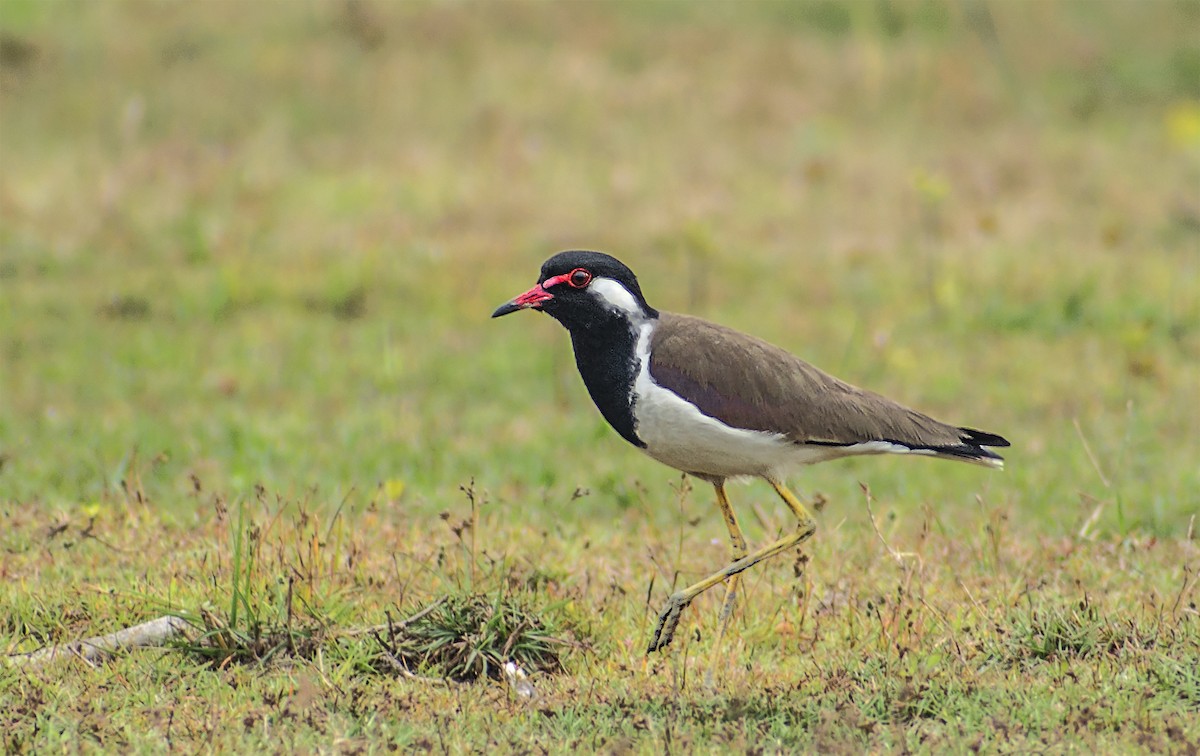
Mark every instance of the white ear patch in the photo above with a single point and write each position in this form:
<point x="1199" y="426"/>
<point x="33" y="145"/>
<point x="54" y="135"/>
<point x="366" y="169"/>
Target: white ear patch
<point x="614" y="294"/>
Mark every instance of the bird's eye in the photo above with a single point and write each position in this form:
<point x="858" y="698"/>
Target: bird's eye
<point x="579" y="278"/>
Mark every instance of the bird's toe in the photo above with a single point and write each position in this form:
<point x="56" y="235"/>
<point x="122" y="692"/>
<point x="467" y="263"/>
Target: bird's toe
<point x="668" y="620"/>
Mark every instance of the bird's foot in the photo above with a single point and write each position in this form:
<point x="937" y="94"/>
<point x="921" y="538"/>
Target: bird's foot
<point x="668" y="620"/>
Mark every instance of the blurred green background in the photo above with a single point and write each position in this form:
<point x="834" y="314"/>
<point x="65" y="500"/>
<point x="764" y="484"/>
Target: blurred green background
<point x="259" y="242"/>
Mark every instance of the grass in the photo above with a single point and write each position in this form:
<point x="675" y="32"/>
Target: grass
<point x="246" y="262"/>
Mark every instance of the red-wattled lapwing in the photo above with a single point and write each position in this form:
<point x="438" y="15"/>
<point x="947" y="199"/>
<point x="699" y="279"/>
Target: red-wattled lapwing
<point x="719" y="404"/>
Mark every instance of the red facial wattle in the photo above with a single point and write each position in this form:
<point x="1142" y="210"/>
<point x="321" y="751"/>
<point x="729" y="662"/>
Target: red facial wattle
<point x="534" y="297"/>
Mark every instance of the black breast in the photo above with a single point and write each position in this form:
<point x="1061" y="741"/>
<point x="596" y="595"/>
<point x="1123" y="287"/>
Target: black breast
<point x="607" y="361"/>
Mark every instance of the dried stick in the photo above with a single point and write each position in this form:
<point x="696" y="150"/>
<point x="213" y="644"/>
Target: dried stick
<point x="391" y="626"/>
<point x="152" y="633"/>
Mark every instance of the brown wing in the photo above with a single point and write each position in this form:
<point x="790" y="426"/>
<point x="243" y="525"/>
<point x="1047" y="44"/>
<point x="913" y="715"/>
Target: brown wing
<point x="745" y="382"/>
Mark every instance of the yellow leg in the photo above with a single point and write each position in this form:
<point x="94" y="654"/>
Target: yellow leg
<point x="793" y="503"/>
<point x="668" y="619"/>
<point x="738" y="543"/>
<point x="732" y="583"/>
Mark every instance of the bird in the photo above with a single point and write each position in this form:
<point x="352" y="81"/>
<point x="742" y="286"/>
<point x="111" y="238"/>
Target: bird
<point x="719" y="404"/>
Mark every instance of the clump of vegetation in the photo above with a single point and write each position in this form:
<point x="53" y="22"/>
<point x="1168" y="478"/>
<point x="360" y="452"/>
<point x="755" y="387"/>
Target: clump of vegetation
<point x="280" y="602"/>
<point x="471" y="636"/>
<point x="256" y="641"/>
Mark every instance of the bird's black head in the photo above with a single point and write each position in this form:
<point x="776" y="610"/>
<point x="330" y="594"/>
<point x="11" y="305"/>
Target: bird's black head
<point x="582" y="289"/>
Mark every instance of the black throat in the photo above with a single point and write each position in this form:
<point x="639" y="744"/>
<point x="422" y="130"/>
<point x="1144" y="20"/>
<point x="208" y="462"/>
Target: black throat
<point x="606" y="355"/>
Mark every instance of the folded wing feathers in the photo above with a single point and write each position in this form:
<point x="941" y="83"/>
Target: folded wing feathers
<point x="748" y="383"/>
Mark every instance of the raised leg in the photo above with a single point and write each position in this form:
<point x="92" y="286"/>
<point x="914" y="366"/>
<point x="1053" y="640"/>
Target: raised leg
<point x="668" y="619"/>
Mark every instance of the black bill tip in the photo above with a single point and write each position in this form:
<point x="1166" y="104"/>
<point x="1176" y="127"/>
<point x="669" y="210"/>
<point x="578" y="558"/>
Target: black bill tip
<point x="506" y="308"/>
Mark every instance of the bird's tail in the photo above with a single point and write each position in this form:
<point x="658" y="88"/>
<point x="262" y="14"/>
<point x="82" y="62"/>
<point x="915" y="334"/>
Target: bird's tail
<point x="972" y="448"/>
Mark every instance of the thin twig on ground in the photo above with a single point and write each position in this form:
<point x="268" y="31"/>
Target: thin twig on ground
<point x="1085" y="529"/>
<point x="899" y="556"/>
<point x="1087" y="449"/>
<point x="391" y="625"/>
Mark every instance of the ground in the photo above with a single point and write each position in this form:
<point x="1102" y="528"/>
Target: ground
<point x="248" y="252"/>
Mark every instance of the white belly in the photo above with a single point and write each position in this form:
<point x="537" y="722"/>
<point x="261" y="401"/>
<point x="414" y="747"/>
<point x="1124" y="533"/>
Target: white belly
<point x="678" y="434"/>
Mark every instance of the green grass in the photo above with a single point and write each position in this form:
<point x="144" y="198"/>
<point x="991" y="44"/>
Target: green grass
<point x="247" y="258"/>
